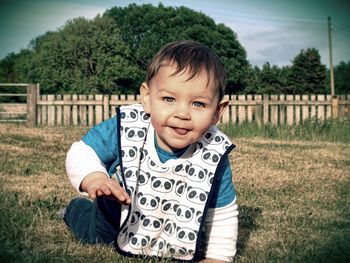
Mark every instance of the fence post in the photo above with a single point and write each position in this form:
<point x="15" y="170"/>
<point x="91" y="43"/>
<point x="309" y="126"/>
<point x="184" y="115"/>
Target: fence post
<point x="32" y="97"/>
<point x="266" y="108"/>
<point x="335" y="107"/>
<point x="106" y="107"/>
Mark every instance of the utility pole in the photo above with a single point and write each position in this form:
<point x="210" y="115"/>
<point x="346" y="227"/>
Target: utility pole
<point x="335" y="101"/>
<point x="330" y="56"/>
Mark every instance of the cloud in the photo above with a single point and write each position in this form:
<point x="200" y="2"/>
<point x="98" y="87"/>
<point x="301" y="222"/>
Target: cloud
<point x="21" y="20"/>
<point x="279" y="43"/>
<point x="268" y="31"/>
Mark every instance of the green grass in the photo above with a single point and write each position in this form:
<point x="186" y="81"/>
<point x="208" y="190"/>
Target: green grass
<point x="293" y="195"/>
<point x="330" y="130"/>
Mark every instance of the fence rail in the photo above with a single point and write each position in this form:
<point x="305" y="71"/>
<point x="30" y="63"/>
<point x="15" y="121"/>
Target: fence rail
<point x="13" y="112"/>
<point x="88" y="110"/>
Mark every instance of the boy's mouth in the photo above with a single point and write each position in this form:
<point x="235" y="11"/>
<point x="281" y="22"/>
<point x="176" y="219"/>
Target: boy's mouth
<point x="180" y="131"/>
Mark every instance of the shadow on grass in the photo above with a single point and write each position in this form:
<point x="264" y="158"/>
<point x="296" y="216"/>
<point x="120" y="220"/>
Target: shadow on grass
<point x="246" y="224"/>
<point x="19" y="218"/>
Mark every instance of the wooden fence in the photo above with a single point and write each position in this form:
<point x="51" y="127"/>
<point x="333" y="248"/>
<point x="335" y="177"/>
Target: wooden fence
<point x="15" y="112"/>
<point x="88" y="110"/>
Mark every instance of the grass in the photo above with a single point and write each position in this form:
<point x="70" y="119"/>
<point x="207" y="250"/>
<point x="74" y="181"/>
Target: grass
<point x="330" y="130"/>
<point x="294" y="196"/>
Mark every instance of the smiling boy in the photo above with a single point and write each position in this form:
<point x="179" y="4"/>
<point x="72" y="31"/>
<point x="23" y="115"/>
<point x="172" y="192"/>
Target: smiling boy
<point x="159" y="172"/>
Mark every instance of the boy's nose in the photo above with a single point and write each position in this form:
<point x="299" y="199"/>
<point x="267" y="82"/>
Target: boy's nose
<point x="182" y="112"/>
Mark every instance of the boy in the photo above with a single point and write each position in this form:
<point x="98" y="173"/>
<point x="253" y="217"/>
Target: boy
<point x="159" y="172"/>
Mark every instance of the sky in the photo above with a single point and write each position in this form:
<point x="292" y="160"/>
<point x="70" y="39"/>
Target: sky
<point x="273" y="31"/>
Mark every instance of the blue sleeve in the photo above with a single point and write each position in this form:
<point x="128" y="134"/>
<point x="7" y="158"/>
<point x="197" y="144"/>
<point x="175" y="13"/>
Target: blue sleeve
<point x="224" y="191"/>
<point x="103" y="139"/>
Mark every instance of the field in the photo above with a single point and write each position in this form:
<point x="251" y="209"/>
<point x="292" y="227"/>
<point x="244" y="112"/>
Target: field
<point x="294" y="199"/>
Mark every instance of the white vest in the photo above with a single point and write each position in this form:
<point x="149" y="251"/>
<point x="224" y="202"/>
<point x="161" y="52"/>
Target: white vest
<point x="169" y="200"/>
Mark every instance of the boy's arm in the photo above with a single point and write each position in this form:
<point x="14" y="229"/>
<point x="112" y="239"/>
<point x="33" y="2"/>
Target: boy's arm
<point x="89" y="176"/>
<point x="221" y="233"/>
<point x="97" y="148"/>
<point x="81" y="160"/>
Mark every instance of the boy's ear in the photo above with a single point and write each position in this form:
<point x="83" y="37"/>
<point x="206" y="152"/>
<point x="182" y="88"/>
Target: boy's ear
<point x="222" y="105"/>
<point x="145" y="97"/>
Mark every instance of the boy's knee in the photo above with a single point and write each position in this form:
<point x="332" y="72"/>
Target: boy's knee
<point x="76" y="207"/>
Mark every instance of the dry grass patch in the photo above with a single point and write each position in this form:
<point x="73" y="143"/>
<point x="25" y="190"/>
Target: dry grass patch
<point x="294" y="199"/>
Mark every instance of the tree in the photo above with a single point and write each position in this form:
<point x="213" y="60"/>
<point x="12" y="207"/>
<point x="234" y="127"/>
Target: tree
<point x="307" y="74"/>
<point x="83" y="57"/>
<point x="7" y="73"/>
<point x="111" y="53"/>
<point x="146" y="28"/>
<point x="268" y="80"/>
<point x="341" y="78"/>
<point x="253" y="80"/>
<point x="14" y="67"/>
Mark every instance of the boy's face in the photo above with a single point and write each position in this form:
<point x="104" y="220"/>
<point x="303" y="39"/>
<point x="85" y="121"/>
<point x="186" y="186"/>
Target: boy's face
<point x="181" y="110"/>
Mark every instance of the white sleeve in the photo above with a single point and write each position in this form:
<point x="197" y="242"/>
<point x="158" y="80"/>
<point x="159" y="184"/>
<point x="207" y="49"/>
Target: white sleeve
<point x="82" y="160"/>
<point x="221" y="232"/>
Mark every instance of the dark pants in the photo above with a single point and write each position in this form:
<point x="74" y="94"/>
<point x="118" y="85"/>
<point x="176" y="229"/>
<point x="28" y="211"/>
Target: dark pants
<point x="93" y="221"/>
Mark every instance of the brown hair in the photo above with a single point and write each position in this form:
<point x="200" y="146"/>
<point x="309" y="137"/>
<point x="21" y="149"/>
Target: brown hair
<point x="192" y="56"/>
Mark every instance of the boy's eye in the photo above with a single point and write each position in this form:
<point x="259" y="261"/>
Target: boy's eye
<point x="168" y="99"/>
<point x="198" y="104"/>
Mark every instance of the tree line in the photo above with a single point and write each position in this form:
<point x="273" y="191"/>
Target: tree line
<point x="110" y="53"/>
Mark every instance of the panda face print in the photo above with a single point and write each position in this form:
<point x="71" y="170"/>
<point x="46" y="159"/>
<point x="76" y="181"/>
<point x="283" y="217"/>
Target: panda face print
<point x="135" y="134"/>
<point x="161" y="184"/>
<point x="130" y="190"/>
<point x="198" y="217"/>
<point x="135" y="218"/>
<point x="180" y="188"/>
<point x="212" y="137"/>
<point x="129" y="153"/>
<point x="210" y="178"/>
<point x="151" y="223"/>
<point x="184" y="213"/>
<point x="196" y="195"/>
<point x="147" y="201"/>
<point x="177" y="250"/>
<point x="122" y="238"/>
<point x="129" y="115"/>
<point x="197" y="173"/>
<point x="158" y="244"/>
<point x="143" y="177"/>
<point x="138" y="241"/>
<point x="145" y="116"/>
<point x="169" y="227"/>
<point x="169" y="206"/>
<point x="186" y="235"/>
<point x="155" y="167"/>
<point x="131" y="173"/>
<point x="211" y="157"/>
<point x="144" y="154"/>
<point x="181" y="169"/>
<point x="199" y="146"/>
<point x="226" y="145"/>
<point x="124" y="231"/>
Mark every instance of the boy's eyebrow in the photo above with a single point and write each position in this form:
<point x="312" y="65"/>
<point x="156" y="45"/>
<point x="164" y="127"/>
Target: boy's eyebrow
<point x="205" y="97"/>
<point x="165" y="90"/>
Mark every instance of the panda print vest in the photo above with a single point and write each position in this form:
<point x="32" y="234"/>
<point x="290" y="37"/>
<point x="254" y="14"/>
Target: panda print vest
<point x="169" y="200"/>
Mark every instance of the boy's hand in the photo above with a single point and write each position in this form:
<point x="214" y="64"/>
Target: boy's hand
<point x="98" y="184"/>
